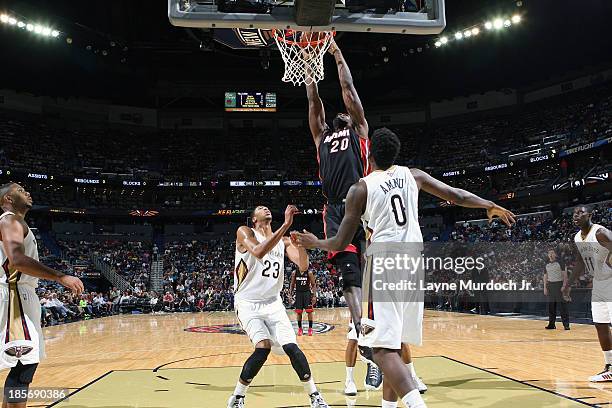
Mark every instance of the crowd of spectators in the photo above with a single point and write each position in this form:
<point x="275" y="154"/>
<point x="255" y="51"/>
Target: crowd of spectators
<point x="198" y="276"/>
<point x="29" y="145"/>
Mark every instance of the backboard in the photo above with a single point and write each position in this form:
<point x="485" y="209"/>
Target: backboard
<point x="348" y="15"/>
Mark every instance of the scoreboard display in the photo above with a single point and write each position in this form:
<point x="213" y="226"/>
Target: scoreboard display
<point x="250" y="102"/>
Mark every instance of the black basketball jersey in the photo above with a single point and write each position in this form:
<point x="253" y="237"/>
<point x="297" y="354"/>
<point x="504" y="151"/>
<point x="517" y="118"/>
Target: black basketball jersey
<point x="301" y="282"/>
<point x="343" y="160"/>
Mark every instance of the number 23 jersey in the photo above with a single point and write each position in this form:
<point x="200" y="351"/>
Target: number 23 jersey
<point x="259" y="280"/>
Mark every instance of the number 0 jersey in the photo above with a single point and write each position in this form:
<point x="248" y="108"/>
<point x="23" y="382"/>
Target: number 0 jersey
<point x="259" y="280"/>
<point x="343" y="160"/>
<point x="392" y="209"/>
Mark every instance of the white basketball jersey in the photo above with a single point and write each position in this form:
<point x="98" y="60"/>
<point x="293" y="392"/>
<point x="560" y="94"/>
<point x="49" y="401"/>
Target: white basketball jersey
<point x="259" y="280"/>
<point x="594" y="255"/>
<point x="10" y="275"/>
<point x="392" y="209"/>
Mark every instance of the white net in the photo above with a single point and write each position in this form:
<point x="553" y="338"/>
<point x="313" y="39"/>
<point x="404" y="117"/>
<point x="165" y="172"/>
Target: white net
<point x="303" y="54"/>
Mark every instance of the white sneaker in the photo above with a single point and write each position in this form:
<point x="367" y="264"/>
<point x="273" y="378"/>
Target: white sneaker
<point x="350" y="388"/>
<point x="420" y="385"/>
<point x="604" y="376"/>
<point x="235" y="401"/>
<point x="350" y="402"/>
<point x="317" y="401"/>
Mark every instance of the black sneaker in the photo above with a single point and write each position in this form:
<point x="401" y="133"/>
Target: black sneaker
<point x="374" y="377"/>
<point x="549" y="327"/>
<point x="566" y="327"/>
<point x="366" y="354"/>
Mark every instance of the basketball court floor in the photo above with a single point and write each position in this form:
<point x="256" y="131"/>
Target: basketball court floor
<point x="193" y="360"/>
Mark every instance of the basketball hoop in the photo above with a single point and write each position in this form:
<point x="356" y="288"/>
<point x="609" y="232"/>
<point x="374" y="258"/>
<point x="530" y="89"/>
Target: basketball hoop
<point x="303" y="54"/>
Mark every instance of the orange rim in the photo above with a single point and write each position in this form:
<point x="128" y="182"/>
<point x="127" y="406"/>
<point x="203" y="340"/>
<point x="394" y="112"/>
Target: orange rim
<point x="302" y="44"/>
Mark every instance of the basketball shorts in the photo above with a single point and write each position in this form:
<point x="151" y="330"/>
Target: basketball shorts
<point x="303" y="301"/>
<point x="602" y="312"/>
<point x="22" y="338"/>
<point x="347" y="262"/>
<point x="390" y="317"/>
<point x="266" y="321"/>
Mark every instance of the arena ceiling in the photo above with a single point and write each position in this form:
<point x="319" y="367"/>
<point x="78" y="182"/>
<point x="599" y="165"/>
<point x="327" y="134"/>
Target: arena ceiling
<point x="149" y="55"/>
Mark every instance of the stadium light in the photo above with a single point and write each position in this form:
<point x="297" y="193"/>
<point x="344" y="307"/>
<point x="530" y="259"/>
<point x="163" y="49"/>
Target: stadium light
<point x="467" y="33"/>
<point x="458" y="36"/>
<point x="475" y="31"/>
<point x="498" y="23"/>
<point x="507" y="23"/>
<point x="24" y="25"/>
<point x="438" y="43"/>
<point x="516" y="19"/>
<point x="443" y="40"/>
<point x="488" y="25"/>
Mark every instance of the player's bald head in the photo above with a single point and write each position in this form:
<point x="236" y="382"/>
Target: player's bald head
<point x="6" y="189"/>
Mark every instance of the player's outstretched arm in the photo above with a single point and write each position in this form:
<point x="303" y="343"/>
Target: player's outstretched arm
<point x="296" y="254"/>
<point x="461" y="197"/>
<point x="349" y="93"/>
<point x="245" y="237"/>
<point x="316" y="113"/>
<point x="12" y="242"/>
<point x="354" y="207"/>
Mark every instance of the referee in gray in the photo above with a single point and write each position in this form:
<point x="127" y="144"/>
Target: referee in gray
<point x="555" y="280"/>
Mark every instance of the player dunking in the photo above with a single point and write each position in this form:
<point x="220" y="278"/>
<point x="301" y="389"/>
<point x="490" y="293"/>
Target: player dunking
<point x="23" y="345"/>
<point x="305" y="287"/>
<point x="342" y="153"/>
<point x="258" y="282"/>
<point x="592" y="253"/>
<point x="387" y="202"/>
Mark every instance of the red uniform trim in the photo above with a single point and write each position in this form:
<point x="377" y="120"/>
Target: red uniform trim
<point x="364" y="146"/>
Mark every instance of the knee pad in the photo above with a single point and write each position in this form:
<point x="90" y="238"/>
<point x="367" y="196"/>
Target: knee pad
<point x="309" y="310"/>
<point x="298" y="361"/>
<point x="254" y="364"/>
<point x="18" y="381"/>
<point x="298" y="311"/>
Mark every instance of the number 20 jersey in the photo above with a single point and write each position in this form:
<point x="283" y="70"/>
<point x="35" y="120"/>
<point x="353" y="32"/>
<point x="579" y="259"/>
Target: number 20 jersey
<point x="259" y="280"/>
<point x="392" y="209"/>
<point x="343" y="160"/>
